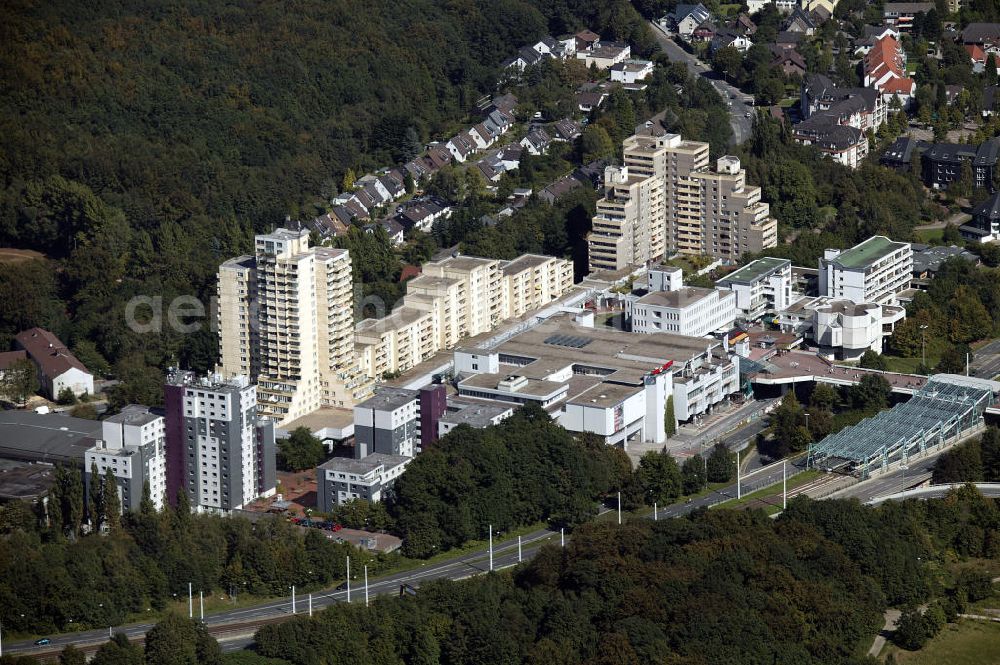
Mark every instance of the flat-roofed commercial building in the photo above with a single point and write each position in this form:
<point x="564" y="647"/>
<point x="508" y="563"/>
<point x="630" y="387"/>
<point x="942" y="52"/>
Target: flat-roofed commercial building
<point x="763" y="286"/>
<point x="612" y="383"/>
<point x="472" y="413"/>
<point x="343" y="479"/>
<point x="51" y="438"/>
<point x="692" y="311"/>
<point x="841" y="329"/>
<point x="875" y="270"/>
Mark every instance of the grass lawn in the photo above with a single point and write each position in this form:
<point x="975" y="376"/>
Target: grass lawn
<point x="930" y="236"/>
<point x="969" y="642"/>
<point x="908" y="365"/>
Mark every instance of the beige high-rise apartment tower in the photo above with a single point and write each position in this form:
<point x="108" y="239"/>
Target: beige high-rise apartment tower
<point x="700" y="210"/>
<point x="237" y="317"/>
<point x="286" y="319"/>
<point x="628" y="227"/>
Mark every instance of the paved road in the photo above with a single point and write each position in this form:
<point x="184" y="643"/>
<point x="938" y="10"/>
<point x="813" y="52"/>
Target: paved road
<point x="918" y="471"/>
<point x="891" y="619"/>
<point x="234" y="628"/>
<point x="740" y="113"/>
<point x="986" y="361"/>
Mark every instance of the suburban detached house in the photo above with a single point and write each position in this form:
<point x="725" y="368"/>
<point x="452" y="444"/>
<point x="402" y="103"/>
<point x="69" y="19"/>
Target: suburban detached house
<point x="789" y="60"/>
<point x="872" y="34"/>
<point x="566" y="129"/>
<point x="329" y="225"/>
<point x="783" y="6"/>
<point x="985" y="223"/>
<point x="392" y="228"/>
<point x="801" y="22"/>
<point x="631" y="71"/>
<point x="422" y="213"/>
<point x="744" y="25"/>
<point x="726" y="37"/>
<point x="900" y="15"/>
<point x="537" y="141"/>
<point x="984" y="34"/>
<point x="685" y="19"/>
<point x="704" y="32"/>
<point x="587" y="101"/>
<point x="559" y="189"/>
<point x="604" y="55"/>
<point x="57" y="367"/>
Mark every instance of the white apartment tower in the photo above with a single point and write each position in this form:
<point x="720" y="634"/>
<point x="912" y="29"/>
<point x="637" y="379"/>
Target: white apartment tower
<point x="132" y="445"/>
<point x="237" y="317"/>
<point x="873" y="271"/>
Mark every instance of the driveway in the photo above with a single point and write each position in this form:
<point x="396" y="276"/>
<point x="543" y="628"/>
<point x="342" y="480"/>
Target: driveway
<point x="738" y="109"/>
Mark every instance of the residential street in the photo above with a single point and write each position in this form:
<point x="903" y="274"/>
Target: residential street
<point x="739" y="110"/>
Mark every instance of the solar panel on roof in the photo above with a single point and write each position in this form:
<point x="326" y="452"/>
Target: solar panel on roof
<point x="567" y="340"/>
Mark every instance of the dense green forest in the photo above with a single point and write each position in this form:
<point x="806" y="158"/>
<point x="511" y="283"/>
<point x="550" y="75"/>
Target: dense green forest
<point x="716" y="587"/>
<point x="525" y="470"/>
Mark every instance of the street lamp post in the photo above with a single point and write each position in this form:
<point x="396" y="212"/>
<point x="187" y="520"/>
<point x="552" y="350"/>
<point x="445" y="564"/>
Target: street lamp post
<point x="923" y="345"/>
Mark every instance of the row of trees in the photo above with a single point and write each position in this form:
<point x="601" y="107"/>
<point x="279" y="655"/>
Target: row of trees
<point x="175" y="640"/>
<point x="660" y="480"/>
<point x="718" y="586"/>
<point x="974" y="461"/>
<point x="54" y="579"/>
<point x="793" y="426"/>
<point x="960" y="306"/>
<point x="525" y="470"/>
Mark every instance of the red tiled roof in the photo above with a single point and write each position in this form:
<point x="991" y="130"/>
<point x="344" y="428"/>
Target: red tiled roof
<point x="885" y="54"/>
<point x="976" y="53"/>
<point x="409" y="272"/>
<point x="48" y="352"/>
<point x="902" y="86"/>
